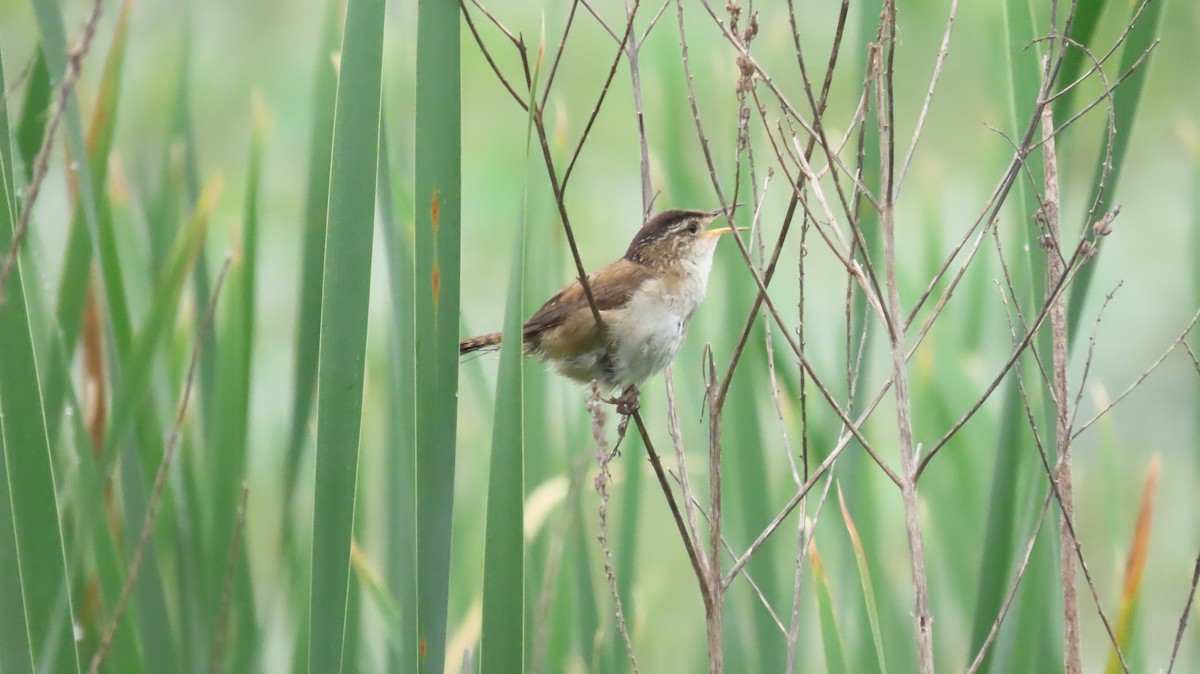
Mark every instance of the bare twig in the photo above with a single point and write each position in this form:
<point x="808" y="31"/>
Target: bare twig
<point x="656" y="463"/>
<point x="1072" y="653"/>
<point x="1141" y="378"/>
<point x="1056" y="290"/>
<point x="487" y="54"/>
<point x="41" y="161"/>
<point x="562" y="45"/>
<point x="1183" y="617"/>
<point x="1012" y="589"/>
<point x="1087" y="364"/>
<point x="937" y="73"/>
<point x="758" y="279"/>
<point x="603" y="476"/>
<point x="227" y="587"/>
<point x="612" y="71"/>
<point x="1072" y="539"/>
<point x="160" y="478"/>
<point x="685" y="485"/>
<point x="714" y="610"/>
<point x="908" y="465"/>
<point x="632" y="48"/>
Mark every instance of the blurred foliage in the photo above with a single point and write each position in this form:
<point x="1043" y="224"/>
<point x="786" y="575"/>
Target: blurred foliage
<point x="136" y="222"/>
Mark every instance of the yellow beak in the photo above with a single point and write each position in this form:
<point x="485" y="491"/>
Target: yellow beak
<point x="722" y="230"/>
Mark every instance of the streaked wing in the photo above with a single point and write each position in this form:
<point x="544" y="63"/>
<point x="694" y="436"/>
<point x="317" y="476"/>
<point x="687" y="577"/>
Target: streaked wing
<point x="611" y="286"/>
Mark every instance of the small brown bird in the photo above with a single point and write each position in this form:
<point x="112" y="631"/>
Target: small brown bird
<point x="646" y="300"/>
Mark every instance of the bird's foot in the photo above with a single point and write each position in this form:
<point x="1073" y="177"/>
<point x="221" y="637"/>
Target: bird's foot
<point x="628" y="402"/>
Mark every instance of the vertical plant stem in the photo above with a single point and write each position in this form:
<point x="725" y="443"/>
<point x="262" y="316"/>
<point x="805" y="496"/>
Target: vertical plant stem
<point x="1072" y="658"/>
<point x="908" y="465"/>
<point x="632" y="47"/>
<point x="713" y="617"/>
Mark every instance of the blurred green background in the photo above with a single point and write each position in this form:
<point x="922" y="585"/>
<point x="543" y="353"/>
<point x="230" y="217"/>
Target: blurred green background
<point x="223" y="54"/>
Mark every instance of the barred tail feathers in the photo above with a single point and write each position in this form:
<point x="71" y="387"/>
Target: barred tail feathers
<point x="477" y="343"/>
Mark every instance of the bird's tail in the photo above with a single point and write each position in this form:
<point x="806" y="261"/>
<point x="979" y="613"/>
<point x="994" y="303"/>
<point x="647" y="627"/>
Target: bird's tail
<point x="476" y="343"/>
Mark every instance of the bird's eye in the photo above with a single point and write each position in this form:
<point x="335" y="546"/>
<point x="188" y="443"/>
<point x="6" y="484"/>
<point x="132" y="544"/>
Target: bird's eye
<point x="692" y="228"/>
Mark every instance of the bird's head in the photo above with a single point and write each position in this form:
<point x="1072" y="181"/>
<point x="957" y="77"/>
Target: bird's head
<point x="676" y="237"/>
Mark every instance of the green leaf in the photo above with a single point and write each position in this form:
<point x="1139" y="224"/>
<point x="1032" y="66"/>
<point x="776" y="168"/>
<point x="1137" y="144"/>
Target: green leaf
<point x="1126" y="100"/>
<point x="227" y="465"/>
<point x="345" y="300"/>
<point x="1083" y="27"/>
<point x="308" y="328"/>
<point x="48" y="614"/>
<point x="438" y="214"/>
<point x="831" y="634"/>
<point x="502" y="647"/>
<point x="402" y="396"/>
<point x="31" y="128"/>
<point x="132" y="386"/>
<point x="864" y="576"/>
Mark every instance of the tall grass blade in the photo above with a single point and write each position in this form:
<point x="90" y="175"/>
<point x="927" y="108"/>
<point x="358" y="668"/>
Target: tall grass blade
<point x="15" y="654"/>
<point x="401" y="460"/>
<point x="831" y="634"/>
<point x="864" y="575"/>
<point x="1083" y="27"/>
<point x="1126" y="100"/>
<point x="437" y="197"/>
<point x="502" y="638"/>
<point x="320" y="143"/>
<point x="128" y="392"/>
<point x="54" y="48"/>
<point x="345" y="299"/>
<point x="45" y="586"/>
<point x="231" y="416"/>
<point x="1135" y="567"/>
<point x="32" y="124"/>
<point x="1011" y="468"/>
<point x="76" y="263"/>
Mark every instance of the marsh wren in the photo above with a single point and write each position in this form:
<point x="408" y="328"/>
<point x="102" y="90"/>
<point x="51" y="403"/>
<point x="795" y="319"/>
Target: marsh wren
<point x="646" y="300"/>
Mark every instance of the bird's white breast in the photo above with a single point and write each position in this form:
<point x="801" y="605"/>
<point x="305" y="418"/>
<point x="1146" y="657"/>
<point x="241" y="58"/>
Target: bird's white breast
<point x="652" y="326"/>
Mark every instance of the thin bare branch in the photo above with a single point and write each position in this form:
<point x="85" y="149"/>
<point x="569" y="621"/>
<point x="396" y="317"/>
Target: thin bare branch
<point x="603" y="476"/>
<point x="754" y="273"/>
<point x="160" y="477"/>
<point x="219" y="631"/>
<point x="1141" y="378"/>
<point x="692" y="546"/>
<point x="612" y="71"/>
<point x="685" y="484"/>
<point x="562" y="46"/>
<point x="715" y="609"/>
<point x="1072" y="652"/>
<point x="41" y="161"/>
<point x="1087" y="365"/>
<point x="487" y="54"/>
<point x="1183" y="617"/>
<point x="1012" y="590"/>
<point x="937" y="73"/>
<point x="908" y="465"/>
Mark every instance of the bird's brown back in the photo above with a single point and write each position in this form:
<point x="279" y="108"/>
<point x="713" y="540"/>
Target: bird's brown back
<point x="565" y="324"/>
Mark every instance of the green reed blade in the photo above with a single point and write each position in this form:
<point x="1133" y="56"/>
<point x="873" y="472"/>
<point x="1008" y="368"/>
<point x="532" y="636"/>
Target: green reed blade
<point x="1126" y="100"/>
<point x="345" y="299"/>
<point x="308" y="328"/>
<point x="40" y="557"/>
<point x="401" y="433"/>
<point x="438" y="214"/>
<point x="502" y="638"/>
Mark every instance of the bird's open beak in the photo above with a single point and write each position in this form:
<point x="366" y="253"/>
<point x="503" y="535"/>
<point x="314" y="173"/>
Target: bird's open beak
<point x="722" y="230"/>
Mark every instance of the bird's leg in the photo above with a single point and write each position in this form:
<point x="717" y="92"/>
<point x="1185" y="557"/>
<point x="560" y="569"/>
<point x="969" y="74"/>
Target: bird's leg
<point x="627" y="403"/>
